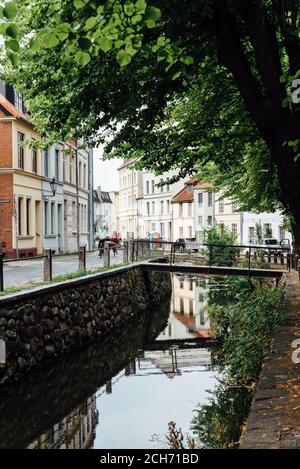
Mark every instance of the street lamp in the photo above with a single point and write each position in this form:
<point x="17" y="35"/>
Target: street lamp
<point x="53" y="186"/>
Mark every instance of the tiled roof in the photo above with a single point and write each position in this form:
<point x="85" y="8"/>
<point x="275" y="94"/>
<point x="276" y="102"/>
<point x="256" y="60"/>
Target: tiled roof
<point x="204" y="185"/>
<point x="185" y="195"/>
<point x="11" y="109"/>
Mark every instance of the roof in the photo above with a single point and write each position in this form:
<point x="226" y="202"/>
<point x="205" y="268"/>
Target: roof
<point x="102" y="196"/>
<point x="185" y="195"/>
<point x="127" y="163"/>
<point x="11" y="109"/>
<point x="204" y="185"/>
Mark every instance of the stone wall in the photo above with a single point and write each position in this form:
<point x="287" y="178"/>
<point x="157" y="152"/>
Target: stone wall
<point x="44" y="324"/>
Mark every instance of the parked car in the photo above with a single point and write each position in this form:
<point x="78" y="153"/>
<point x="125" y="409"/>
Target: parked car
<point x="187" y="244"/>
<point x="273" y="246"/>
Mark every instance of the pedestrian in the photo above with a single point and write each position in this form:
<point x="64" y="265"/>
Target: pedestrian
<point x="101" y="247"/>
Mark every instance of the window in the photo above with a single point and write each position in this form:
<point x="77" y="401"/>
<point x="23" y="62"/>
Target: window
<point x="268" y="230"/>
<point x="180" y="209"/>
<point x="80" y="174"/>
<point x="235" y="207"/>
<point x="181" y="232"/>
<point x="19" y="101"/>
<point x="46" y="162"/>
<point x="161" y="187"/>
<point x="209" y="220"/>
<point x="57" y="164"/>
<point x="46" y="217"/>
<point x="162" y="230"/>
<point x="191" y="308"/>
<point x="200" y="220"/>
<point x="28" y="203"/>
<point x="170" y="230"/>
<point x="210" y="197"/>
<point x="251" y="233"/>
<point x="20" y="204"/>
<point x="21" y="138"/>
<point x="161" y="207"/>
<point x="74" y="216"/>
<point x="221" y="206"/>
<point x="52" y="217"/>
<point x="168" y="206"/>
<point x="181" y="284"/>
<point x="191" y="285"/>
<point x="34" y="160"/>
<point x="234" y="229"/>
<point x="84" y="175"/>
<point x="190" y="228"/>
<point x="148" y="208"/>
<point x="281" y="233"/>
<point x="153" y="187"/>
<point x="153" y="208"/>
<point x="153" y="227"/>
<point x="200" y="199"/>
<point x="148" y="187"/>
<point x="181" y="306"/>
<point x="189" y="210"/>
<point x="168" y="187"/>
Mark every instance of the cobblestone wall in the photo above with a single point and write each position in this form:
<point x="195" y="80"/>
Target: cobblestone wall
<point x="45" y="324"/>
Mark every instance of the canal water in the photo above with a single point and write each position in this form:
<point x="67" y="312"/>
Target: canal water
<point x="123" y="392"/>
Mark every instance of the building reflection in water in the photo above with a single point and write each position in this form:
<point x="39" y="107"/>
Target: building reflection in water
<point x="176" y="357"/>
<point x="76" y="431"/>
<point x="189" y="318"/>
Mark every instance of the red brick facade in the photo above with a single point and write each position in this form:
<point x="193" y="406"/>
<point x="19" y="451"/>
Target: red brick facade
<point x="6" y="188"/>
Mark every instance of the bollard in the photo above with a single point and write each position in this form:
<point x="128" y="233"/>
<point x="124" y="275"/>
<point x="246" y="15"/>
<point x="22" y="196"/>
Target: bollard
<point x="125" y="252"/>
<point x="82" y="258"/>
<point x="130" y="251"/>
<point x="269" y="258"/>
<point x="1" y="271"/>
<point x="275" y="258"/>
<point x="288" y="261"/>
<point x="281" y="256"/>
<point x="106" y="254"/>
<point x="48" y="265"/>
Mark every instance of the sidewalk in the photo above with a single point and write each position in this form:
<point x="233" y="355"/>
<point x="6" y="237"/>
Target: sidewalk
<point x="274" y="421"/>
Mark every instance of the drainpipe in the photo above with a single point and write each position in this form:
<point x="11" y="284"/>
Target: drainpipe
<point x="77" y="196"/>
<point x="91" y="200"/>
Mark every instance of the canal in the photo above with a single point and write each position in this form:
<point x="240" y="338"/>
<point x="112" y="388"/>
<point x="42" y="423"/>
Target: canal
<point x="124" y="391"/>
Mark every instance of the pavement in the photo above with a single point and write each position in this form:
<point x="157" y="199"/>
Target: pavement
<point x="274" y="421"/>
<point x="18" y="273"/>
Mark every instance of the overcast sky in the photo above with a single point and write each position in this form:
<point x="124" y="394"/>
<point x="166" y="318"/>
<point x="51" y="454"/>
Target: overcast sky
<point x="105" y="172"/>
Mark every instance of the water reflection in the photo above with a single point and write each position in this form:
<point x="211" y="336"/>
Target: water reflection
<point x="123" y="392"/>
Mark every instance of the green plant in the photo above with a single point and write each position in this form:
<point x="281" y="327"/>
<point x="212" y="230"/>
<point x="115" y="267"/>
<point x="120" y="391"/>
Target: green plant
<point x="222" y="251"/>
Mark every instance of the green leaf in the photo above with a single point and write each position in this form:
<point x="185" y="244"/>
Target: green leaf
<point x="10" y="10"/>
<point x="14" y="58"/>
<point x="82" y="58"/>
<point x="123" y="58"/>
<point x="153" y="13"/>
<point x="49" y="40"/>
<point x="84" y="43"/>
<point x="104" y="44"/>
<point x="130" y="50"/>
<point x="136" y="19"/>
<point x="150" y="24"/>
<point x="12" y="30"/>
<point x="141" y="5"/>
<point x="176" y="75"/>
<point x="13" y="45"/>
<point x="187" y="60"/>
<point x="129" y="9"/>
<point x="91" y="23"/>
<point x="78" y="4"/>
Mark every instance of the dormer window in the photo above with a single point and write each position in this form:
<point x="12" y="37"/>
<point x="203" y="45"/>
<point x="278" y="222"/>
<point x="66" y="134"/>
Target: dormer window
<point x="19" y="101"/>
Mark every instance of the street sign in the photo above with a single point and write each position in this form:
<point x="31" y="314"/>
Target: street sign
<point x="4" y="201"/>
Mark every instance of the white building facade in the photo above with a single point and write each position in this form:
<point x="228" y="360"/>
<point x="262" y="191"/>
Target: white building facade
<point x="157" y="206"/>
<point x="130" y="191"/>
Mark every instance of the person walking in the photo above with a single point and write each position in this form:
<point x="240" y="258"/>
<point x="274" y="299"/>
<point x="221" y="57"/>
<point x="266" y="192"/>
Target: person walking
<point x="101" y="247"/>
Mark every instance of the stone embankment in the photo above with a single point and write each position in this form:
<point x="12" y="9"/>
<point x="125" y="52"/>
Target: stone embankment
<point x="274" y="421"/>
<point x="44" y="324"/>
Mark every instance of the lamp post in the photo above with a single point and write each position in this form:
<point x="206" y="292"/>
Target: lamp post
<point x="53" y="186"/>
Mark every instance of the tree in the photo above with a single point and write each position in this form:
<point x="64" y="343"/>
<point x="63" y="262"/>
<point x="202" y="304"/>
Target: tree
<point x="86" y="64"/>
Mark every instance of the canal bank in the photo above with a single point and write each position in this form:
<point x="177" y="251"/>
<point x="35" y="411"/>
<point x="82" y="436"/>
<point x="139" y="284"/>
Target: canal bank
<point x="274" y="420"/>
<point x="42" y="325"/>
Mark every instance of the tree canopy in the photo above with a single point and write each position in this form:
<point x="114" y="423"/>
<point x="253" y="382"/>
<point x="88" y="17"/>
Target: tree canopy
<point x="196" y="84"/>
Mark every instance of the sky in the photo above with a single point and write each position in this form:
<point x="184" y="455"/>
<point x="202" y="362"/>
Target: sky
<point x="105" y="172"/>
